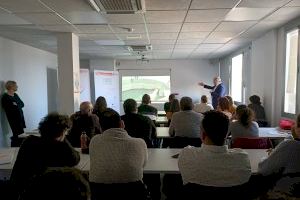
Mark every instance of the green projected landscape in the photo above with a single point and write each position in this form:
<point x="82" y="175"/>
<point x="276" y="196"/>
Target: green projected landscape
<point x="158" y="87"/>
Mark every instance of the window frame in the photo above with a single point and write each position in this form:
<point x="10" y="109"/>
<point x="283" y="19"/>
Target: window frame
<point x="230" y="77"/>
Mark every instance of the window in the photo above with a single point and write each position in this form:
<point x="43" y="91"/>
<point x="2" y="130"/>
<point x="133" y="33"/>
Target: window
<point x="236" y="83"/>
<point x="291" y="69"/>
<point x="158" y="87"/>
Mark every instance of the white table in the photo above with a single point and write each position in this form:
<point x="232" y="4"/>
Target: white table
<point x="162" y="132"/>
<point x="161" y="113"/>
<point x="161" y="120"/>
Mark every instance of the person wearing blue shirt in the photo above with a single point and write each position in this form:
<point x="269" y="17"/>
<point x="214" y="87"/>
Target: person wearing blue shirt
<point x="217" y="91"/>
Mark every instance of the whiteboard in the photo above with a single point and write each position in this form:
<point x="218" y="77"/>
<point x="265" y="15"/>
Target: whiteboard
<point x="85" y="88"/>
<point x="107" y="85"/>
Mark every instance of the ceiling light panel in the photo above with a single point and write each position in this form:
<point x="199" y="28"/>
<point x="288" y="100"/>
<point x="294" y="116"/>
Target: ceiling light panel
<point x="215" y="15"/>
<point x="167" y="4"/>
<point x="212" y="4"/>
<point x="165" y="16"/>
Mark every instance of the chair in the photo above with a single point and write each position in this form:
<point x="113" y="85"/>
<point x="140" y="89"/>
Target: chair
<point x="252" y="143"/>
<point x="181" y="142"/>
<point x="116" y="191"/>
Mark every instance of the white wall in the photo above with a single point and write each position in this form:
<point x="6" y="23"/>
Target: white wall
<point x="28" y="67"/>
<point x="185" y="74"/>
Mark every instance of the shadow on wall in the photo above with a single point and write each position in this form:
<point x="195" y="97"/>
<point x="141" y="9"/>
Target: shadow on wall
<point x="5" y="131"/>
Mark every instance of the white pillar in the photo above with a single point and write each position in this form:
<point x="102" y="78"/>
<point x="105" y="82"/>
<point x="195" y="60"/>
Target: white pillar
<point x="68" y="73"/>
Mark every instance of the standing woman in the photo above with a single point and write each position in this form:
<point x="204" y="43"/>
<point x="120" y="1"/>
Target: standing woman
<point x="12" y="105"/>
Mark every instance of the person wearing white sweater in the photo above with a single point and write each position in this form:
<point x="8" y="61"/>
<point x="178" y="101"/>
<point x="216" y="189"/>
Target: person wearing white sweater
<point x="115" y="157"/>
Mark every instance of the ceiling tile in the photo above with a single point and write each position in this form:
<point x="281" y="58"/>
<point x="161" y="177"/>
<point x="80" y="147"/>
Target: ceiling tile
<point x="64" y="6"/>
<point x="236" y="27"/>
<point x="136" y="42"/>
<point x="210" y="46"/>
<point x="84" y="17"/>
<point x="8" y="19"/>
<point x="209" y="4"/>
<point x="245" y="14"/>
<point x="126" y="28"/>
<point x="285" y="14"/>
<point x="167" y="4"/>
<point x="23" y="6"/>
<point x="152" y="28"/>
<point x="190" y="41"/>
<point x="220" y="37"/>
<point x="186" y="46"/>
<point x="163" y="35"/>
<point x="157" y="41"/>
<point x="206" y="15"/>
<point x="183" y="51"/>
<point x="259" y="29"/>
<point x="165" y="16"/>
<point x="42" y="18"/>
<point x="93" y="28"/>
<point x="262" y="3"/>
<point x="124" y="19"/>
<point x="192" y="35"/>
<point x="294" y="3"/>
<point x="193" y="27"/>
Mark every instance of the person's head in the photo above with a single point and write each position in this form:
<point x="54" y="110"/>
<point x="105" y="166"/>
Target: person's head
<point x="203" y="99"/>
<point x="223" y="104"/>
<point x="111" y="119"/>
<point x="230" y="100"/>
<point x="146" y="99"/>
<point x="254" y="99"/>
<point x="245" y="116"/>
<point x="11" y="86"/>
<point x="186" y="103"/>
<point x="100" y="104"/>
<point x="171" y="97"/>
<point x="86" y="107"/>
<point x="214" y="128"/>
<point x="53" y="126"/>
<point x="217" y="80"/>
<point x="174" y="107"/>
<point x="59" y="184"/>
<point x="130" y="106"/>
<point x="298" y="121"/>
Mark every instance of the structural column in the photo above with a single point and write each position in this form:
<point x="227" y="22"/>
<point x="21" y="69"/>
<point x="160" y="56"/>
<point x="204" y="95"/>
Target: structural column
<point x="68" y="73"/>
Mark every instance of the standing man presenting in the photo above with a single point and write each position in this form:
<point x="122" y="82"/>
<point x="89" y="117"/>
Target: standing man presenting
<point x="218" y="90"/>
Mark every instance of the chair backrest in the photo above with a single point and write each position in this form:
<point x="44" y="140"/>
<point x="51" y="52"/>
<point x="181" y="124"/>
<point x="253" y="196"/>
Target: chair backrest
<point x="181" y="142"/>
<point x="251" y="143"/>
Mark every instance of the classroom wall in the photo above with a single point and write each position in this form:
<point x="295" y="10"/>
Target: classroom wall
<point x="185" y="74"/>
<point x="28" y="67"/>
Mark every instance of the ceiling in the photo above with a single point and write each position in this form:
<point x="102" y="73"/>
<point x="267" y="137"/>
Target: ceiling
<point x="176" y="29"/>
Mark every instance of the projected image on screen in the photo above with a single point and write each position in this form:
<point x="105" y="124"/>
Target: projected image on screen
<point x="134" y="87"/>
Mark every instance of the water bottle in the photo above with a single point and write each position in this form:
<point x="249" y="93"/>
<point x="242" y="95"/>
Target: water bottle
<point x="83" y="142"/>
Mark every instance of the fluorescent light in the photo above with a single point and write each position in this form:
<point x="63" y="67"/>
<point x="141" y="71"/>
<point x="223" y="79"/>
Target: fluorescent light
<point x="94" y="5"/>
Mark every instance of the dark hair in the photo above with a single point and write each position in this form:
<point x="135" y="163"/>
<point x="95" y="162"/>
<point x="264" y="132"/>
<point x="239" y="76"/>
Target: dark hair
<point x="223" y="103"/>
<point x="110" y="119"/>
<point x="59" y="184"/>
<point x="298" y="121"/>
<point x="204" y="99"/>
<point x="100" y="104"/>
<point x="10" y="84"/>
<point x="129" y="106"/>
<point x="186" y="103"/>
<point x="245" y="116"/>
<point x="146" y="99"/>
<point x="255" y="99"/>
<point x="215" y="125"/>
<point x="174" y="107"/>
<point x="171" y="97"/>
<point x="53" y="125"/>
<point x="242" y="106"/>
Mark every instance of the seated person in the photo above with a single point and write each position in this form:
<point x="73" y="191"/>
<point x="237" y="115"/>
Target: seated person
<point x="137" y="125"/>
<point x="116" y="157"/>
<point x="296" y="129"/>
<point x="203" y="106"/>
<point x="232" y="107"/>
<point x="213" y="164"/>
<point x="167" y="105"/>
<point x="174" y="107"/>
<point x="59" y="184"/>
<point x="83" y="121"/>
<point x="224" y="106"/>
<point x="186" y="123"/>
<point x="99" y="107"/>
<point x="146" y="109"/>
<point x="36" y="154"/>
<point x="259" y="111"/>
<point x="284" y="161"/>
<point x="245" y="126"/>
